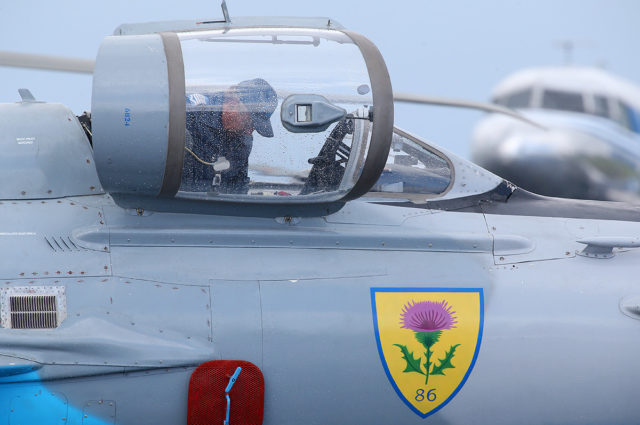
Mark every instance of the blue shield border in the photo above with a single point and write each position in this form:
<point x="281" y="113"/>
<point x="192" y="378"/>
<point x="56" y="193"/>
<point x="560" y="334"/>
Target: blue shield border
<point x="384" y="363"/>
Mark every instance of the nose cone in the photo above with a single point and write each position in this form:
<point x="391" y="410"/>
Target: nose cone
<point x="555" y="162"/>
<point x="525" y="163"/>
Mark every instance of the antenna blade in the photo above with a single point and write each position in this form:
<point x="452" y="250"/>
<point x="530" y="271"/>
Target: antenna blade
<point x="26" y="95"/>
<point x="225" y="11"/>
<point x="51" y="63"/>
<point x="460" y="103"/>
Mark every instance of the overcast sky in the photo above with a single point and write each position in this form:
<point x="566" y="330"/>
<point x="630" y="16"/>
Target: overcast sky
<point x="449" y="48"/>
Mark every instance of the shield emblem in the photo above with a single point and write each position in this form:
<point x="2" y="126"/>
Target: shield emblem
<point x="428" y="341"/>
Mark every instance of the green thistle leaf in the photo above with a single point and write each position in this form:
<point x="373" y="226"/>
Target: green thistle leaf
<point x="446" y="362"/>
<point x="413" y="364"/>
<point x="428" y="338"/>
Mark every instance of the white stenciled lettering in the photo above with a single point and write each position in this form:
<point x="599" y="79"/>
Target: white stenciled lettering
<point x="25" y="140"/>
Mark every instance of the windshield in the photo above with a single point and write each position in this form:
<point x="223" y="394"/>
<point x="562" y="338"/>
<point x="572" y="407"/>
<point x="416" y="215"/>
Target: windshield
<point x="562" y="100"/>
<point x="520" y="99"/>
<point x="412" y="169"/>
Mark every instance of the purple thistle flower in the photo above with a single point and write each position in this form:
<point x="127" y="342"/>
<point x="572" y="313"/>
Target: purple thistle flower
<point x="428" y="316"/>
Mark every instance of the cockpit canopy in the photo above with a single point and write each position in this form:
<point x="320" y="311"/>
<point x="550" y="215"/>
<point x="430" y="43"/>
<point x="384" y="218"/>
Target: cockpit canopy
<point x="243" y="115"/>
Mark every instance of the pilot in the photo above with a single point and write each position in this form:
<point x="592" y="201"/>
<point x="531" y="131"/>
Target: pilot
<point x="220" y="130"/>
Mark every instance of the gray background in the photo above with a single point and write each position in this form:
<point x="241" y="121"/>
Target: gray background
<point x="454" y="48"/>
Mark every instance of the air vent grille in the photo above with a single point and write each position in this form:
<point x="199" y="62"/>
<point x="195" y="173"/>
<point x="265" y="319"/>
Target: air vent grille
<point x="33" y="312"/>
<point x="61" y="244"/>
<point x="33" y="307"/>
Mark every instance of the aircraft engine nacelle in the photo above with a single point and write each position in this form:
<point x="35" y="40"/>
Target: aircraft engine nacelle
<point x="278" y="115"/>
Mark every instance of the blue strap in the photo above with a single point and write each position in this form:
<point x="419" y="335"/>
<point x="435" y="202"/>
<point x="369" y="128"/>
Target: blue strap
<point x="232" y="381"/>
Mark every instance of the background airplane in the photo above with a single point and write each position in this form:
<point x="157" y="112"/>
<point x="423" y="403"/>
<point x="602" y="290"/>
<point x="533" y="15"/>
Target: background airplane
<point x="590" y="148"/>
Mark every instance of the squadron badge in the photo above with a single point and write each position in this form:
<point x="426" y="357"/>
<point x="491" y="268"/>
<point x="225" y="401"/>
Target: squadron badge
<point x="428" y="341"/>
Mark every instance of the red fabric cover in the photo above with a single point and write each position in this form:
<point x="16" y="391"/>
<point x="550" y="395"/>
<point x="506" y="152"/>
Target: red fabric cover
<point x="207" y="402"/>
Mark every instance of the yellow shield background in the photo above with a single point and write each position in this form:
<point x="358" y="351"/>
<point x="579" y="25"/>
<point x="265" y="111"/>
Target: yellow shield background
<point x="464" y="339"/>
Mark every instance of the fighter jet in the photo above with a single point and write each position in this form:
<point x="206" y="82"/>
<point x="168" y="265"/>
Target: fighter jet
<point x="276" y="252"/>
